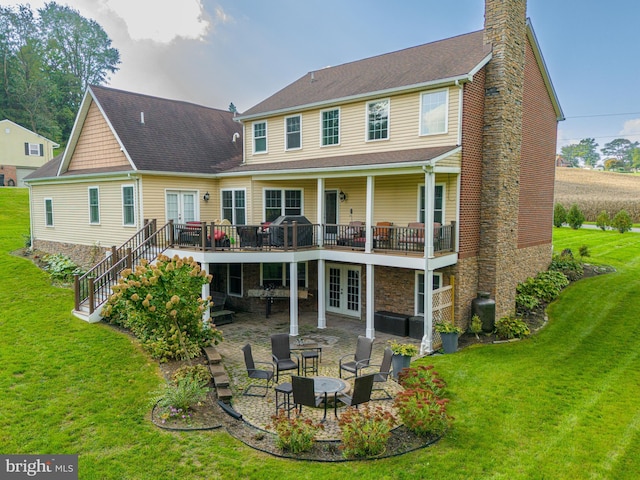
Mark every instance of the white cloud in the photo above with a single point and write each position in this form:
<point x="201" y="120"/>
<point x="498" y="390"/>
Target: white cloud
<point x="631" y="130"/>
<point x="162" y="21"/>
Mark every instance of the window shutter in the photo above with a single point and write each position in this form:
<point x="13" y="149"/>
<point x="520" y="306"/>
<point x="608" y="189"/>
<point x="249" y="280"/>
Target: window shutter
<point x="41" y="150"/>
<point x="26" y="148"/>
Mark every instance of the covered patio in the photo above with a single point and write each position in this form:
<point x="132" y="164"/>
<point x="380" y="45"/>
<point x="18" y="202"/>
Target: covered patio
<point x="337" y="340"/>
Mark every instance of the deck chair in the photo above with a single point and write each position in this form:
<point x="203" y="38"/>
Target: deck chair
<point x="256" y="373"/>
<point x="281" y="354"/>
<point x="383" y="374"/>
<point x="361" y="358"/>
<point x="304" y="392"/>
<point x="382" y="234"/>
<point x="362" y="387"/>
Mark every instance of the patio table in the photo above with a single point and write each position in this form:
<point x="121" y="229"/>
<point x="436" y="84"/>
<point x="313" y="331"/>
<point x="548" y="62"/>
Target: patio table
<point x="325" y="386"/>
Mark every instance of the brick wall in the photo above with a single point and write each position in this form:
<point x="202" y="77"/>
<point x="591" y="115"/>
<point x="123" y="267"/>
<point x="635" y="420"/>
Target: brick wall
<point x="9" y="172"/>
<point x="537" y="172"/>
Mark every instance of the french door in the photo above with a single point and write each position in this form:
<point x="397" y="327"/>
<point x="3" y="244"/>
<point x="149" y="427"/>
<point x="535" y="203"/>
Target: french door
<point x="330" y="213"/>
<point x="343" y="289"/>
<point x="181" y="206"/>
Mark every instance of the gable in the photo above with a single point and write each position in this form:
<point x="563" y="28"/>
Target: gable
<point x="96" y="147"/>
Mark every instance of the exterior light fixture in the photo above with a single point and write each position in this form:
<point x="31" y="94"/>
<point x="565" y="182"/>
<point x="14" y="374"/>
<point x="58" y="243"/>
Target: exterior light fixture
<point x="206" y="197"/>
<point x="343" y="196"/>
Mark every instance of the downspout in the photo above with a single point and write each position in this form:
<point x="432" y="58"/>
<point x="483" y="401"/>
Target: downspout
<point x="460" y="92"/>
<point x="426" y="346"/>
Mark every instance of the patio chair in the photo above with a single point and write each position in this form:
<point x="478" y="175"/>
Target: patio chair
<point x="383" y="374"/>
<point x="360" y="359"/>
<point x="362" y="387"/>
<point x="304" y="392"/>
<point x="281" y="354"/>
<point x="382" y="235"/>
<point x="256" y="373"/>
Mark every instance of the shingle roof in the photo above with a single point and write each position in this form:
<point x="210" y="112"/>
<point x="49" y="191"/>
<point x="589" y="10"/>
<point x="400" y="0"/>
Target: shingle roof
<point x="176" y="136"/>
<point x="364" y="160"/>
<point x="444" y="59"/>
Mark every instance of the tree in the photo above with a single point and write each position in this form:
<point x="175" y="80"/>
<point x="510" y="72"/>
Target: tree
<point x="581" y="152"/>
<point x="575" y="218"/>
<point x="47" y="63"/>
<point x="603" y="221"/>
<point x="620" y="149"/>
<point x="559" y="215"/>
<point x="622" y="221"/>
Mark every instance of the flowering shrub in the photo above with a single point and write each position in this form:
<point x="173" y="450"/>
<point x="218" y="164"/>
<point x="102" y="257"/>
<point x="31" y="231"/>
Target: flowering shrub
<point x="365" y="431"/>
<point x="295" y="434"/>
<point x="161" y="305"/>
<point x="422" y="411"/>
<point x="176" y="400"/>
<point x="423" y="376"/>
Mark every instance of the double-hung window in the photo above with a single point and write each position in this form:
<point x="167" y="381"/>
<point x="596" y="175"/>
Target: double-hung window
<point x="260" y="137"/>
<point x="128" y="206"/>
<point x="34" y="149"/>
<point x="48" y="212"/>
<point x="437" y="283"/>
<point x="293" y="128"/>
<point x="282" y="202"/>
<point x="94" y="205"/>
<point x="378" y="120"/>
<point x="438" y="204"/>
<point x="279" y="275"/>
<point x="234" y="206"/>
<point x="434" y="107"/>
<point x="331" y="127"/>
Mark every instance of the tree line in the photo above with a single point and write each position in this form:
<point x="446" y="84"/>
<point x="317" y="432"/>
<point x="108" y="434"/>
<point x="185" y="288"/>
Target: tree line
<point x="48" y="58"/>
<point x="620" y="154"/>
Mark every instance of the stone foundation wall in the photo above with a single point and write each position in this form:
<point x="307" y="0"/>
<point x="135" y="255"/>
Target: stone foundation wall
<point x="85" y="256"/>
<point x="395" y="290"/>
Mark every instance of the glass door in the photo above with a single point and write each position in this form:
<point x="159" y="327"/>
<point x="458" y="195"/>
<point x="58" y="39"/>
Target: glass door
<point x="343" y="289"/>
<point x="181" y="206"/>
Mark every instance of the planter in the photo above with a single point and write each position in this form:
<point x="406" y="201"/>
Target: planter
<point x="449" y="342"/>
<point x="399" y="362"/>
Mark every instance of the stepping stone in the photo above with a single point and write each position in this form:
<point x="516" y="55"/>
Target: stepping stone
<point x="212" y="355"/>
<point x="224" y="393"/>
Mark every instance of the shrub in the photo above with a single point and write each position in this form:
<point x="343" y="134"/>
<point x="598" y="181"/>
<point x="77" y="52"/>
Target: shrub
<point x="511" y="327"/>
<point x="475" y="326"/>
<point x="61" y="268"/>
<point x="365" y="431"/>
<point x="181" y="396"/>
<point x="526" y="303"/>
<point x="423" y="376"/>
<point x="602" y="220"/>
<point x="295" y="434"/>
<point x="575" y="218"/>
<point x="197" y="373"/>
<point x="545" y="286"/>
<point x="622" y="221"/>
<point x="422" y="411"/>
<point x="559" y="215"/>
<point x="584" y="251"/>
<point x="161" y="305"/>
<point x="568" y="265"/>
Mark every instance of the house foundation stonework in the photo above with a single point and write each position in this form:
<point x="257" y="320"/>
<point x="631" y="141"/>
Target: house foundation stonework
<point x="84" y="256"/>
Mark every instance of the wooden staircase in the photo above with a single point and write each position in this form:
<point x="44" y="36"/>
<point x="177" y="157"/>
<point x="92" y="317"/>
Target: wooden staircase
<point x="218" y="373"/>
<point x="94" y="287"/>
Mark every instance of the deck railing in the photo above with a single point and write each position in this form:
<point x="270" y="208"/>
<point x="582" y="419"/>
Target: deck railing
<point x="94" y="287"/>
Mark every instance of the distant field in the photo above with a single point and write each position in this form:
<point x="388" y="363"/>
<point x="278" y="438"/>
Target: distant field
<point x="595" y="191"/>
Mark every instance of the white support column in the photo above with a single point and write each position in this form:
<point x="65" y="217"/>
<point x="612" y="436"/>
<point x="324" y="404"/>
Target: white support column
<point x="293" y="298"/>
<point x="369" y="214"/>
<point x="370" y="330"/>
<point x="320" y="211"/>
<point x="206" y="291"/>
<point x="322" y="307"/>
<point x="426" y="346"/>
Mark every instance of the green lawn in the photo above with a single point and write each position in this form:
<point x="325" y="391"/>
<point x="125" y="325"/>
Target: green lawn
<point x="562" y="404"/>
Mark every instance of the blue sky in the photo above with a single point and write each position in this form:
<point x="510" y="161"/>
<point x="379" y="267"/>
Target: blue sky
<point x="213" y="52"/>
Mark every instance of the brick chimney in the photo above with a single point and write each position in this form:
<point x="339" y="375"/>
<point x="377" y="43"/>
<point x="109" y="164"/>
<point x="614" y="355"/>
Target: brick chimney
<point x="505" y="31"/>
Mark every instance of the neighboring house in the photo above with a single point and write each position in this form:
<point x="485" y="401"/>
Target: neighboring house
<point x="457" y="135"/>
<point x="21" y="153"/>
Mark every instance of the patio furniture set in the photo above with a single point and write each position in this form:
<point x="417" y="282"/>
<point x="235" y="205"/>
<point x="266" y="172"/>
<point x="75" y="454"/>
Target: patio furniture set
<point x="307" y="387"/>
